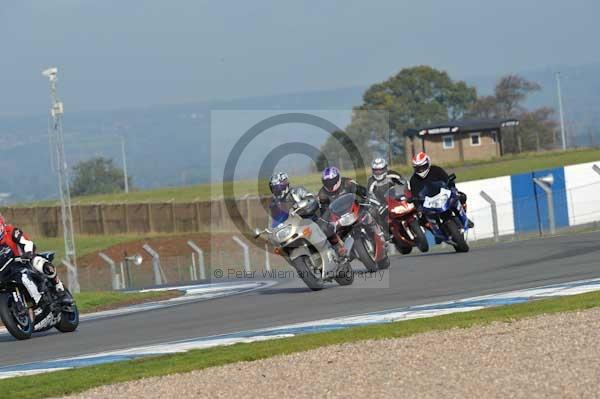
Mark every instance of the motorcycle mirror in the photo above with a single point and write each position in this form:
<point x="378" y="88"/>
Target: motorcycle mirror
<point x="452" y="177"/>
<point x="257" y="233"/>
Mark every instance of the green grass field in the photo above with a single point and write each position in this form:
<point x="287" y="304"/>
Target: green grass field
<point x="85" y="244"/>
<point x="94" y="301"/>
<point x="77" y="380"/>
<point x="510" y="164"/>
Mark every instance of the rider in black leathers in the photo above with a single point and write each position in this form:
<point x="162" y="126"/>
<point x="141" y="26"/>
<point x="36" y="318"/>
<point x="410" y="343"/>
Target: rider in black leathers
<point x="334" y="185"/>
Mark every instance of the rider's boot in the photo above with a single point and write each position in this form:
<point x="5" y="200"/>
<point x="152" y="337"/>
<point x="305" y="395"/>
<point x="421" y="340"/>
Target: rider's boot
<point x="60" y="292"/>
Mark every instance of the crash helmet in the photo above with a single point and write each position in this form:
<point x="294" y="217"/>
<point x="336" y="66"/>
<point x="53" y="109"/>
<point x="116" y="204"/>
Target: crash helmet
<point x="379" y="168"/>
<point x="421" y="164"/>
<point x="331" y="178"/>
<point x="279" y="184"/>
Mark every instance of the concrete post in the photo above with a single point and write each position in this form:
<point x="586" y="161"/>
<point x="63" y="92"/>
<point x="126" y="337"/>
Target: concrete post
<point x="114" y="278"/>
<point x="158" y="280"/>
<point x="545" y="183"/>
<point x="200" y="254"/>
<point x="72" y="281"/>
<point x="246" y="252"/>
<point x="492" y="203"/>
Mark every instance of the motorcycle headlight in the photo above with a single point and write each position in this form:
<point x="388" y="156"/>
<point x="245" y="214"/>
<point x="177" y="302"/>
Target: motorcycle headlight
<point x="402" y="208"/>
<point x="284" y="233"/>
<point x="347" y="219"/>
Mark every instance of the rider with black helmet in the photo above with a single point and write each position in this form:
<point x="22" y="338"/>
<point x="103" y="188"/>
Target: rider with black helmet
<point x="335" y="185"/>
<point x="286" y="198"/>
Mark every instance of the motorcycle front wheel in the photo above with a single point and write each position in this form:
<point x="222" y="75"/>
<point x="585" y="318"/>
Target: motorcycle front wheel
<point x="457" y="236"/>
<point x="18" y="324"/>
<point x="419" y="234"/>
<point x="345" y="275"/>
<point x="303" y="266"/>
<point x="366" y="253"/>
<point x="69" y="320"/>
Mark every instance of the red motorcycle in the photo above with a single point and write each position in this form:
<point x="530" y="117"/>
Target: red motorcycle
<point x="403" y="220"/>
<point x="362" y="236"/>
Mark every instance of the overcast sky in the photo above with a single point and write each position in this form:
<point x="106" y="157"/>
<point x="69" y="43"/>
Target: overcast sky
<point x="119" y="53"/>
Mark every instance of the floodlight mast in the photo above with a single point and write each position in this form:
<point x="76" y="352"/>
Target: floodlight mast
<point x="60" y="166"/>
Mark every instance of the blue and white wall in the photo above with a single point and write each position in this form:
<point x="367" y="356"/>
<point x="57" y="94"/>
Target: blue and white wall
<point x="522" y="205"/>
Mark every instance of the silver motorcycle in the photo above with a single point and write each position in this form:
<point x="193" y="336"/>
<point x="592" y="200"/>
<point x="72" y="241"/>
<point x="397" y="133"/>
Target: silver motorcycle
<point x="304" y="245"/>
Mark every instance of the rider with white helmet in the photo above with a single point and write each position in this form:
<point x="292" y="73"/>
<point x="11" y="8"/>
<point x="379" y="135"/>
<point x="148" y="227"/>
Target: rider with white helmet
<point x="426" y="172"/>
<point x="382" y="179"/>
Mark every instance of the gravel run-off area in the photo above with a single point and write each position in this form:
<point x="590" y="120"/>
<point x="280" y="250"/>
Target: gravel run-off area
<point x="547" y="356"/>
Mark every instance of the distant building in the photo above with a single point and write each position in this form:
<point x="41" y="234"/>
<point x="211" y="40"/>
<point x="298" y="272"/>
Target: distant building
<point x="459" y="141"/>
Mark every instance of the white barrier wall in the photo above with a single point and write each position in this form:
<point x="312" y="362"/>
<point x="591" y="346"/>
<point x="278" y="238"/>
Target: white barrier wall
<point x="583" y="193"/>
<point x="499" y="188"/>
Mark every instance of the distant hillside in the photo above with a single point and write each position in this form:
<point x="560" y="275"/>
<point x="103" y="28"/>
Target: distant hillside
<point x="170" y="146"/>
<point x="166" y="145"/>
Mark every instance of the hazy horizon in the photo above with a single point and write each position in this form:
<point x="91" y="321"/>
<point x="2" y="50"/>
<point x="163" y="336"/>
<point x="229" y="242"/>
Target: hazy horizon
<point x="115" y="55"/>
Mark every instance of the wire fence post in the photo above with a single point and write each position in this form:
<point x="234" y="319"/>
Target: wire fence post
<point x="494" y="210"/>
<point x="246" y="252"/>
<point x="545" y="183"/>
<point x="114" y="277"/>
<point x="158" y="274"/>
<point x="200" y="254"/>
<point x="72" y="281"/>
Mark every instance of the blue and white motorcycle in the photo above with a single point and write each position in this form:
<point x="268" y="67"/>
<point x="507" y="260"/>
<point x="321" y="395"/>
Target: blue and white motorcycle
<point x="443" y="214"/>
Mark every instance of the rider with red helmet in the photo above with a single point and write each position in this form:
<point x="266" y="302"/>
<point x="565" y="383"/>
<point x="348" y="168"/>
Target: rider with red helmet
<point x="23" y="247"/>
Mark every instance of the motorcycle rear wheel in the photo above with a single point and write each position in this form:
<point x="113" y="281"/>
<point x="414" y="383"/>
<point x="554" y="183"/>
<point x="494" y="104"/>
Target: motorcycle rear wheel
<point x="19" y="326"/>
<point x="302" y="264"/>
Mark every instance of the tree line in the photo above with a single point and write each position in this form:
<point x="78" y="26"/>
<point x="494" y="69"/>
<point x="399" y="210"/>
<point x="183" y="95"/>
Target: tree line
<point x="421" y="96"/>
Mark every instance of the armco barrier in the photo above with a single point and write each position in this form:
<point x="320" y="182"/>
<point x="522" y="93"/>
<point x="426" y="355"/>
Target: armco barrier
<point x="521" y="208"/>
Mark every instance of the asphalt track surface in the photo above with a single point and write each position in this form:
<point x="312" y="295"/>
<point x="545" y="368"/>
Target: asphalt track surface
<point x="413" y="280"/>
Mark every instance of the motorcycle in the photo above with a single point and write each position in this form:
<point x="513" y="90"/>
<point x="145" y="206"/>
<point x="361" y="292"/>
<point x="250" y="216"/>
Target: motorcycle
<point x="350" y="218"/>
<point x="306" y="248"/>
<point x="18" y="311"/>
<point x="403" y="221"/>
<point x="444" y="215"/>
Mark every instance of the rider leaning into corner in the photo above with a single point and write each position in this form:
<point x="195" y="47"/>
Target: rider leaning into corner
<point x="23" y="247"/>
<point x="286" y="198"/>
<point x="379" y="183"/>
<point x="425" y="172"/>
<point x="334" y="185"/>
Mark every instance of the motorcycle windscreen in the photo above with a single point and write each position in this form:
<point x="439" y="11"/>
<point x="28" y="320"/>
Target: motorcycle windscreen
<point x="397" y="192"/>
<point x="432" y="189"/>
<point x="279" y="216"/>
<point x="342" y="205"/>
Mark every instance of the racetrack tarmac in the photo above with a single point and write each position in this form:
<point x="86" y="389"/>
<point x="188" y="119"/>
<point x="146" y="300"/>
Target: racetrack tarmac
<point x="413" y="280"/>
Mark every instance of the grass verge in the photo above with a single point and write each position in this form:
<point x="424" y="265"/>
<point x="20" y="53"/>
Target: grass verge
<point x="71" y="381"/>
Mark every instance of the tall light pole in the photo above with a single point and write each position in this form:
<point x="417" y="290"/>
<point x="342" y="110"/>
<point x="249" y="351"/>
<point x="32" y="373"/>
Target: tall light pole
<point x="124" y="159"/>
<point x="560" y="108"/>
<point x="60" y="166"/>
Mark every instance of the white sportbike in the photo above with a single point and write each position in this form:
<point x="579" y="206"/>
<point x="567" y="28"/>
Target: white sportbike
<point x="305" y="247"/>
